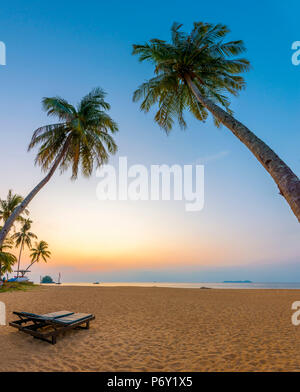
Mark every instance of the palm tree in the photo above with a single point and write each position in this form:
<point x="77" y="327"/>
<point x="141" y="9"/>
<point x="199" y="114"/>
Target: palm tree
<point x="40" y="251"/>
<point x="22" y="238"/>
<point x="7" y="259"/>
<point x="9" y="205"/>
<point x="196" y="71"/>
<point x="81" y="138"/>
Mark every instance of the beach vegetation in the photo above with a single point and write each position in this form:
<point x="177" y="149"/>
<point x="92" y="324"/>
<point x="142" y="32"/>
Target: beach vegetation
<point x="8" y="205"/>
<point x="47" y="279"/>
<point x="17" y="286"/>
<point x="23" y="238"/>
<point x="7" y="259"/>
<point x="40" y="252"/>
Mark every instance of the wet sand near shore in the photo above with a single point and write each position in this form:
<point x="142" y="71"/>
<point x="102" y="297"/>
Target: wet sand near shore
<point x="158" y="329"/>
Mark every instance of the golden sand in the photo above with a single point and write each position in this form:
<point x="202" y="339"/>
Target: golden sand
<point x="158" y="329"/>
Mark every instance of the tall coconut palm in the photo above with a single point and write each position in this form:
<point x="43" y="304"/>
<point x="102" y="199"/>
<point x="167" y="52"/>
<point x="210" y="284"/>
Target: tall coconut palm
<point x="196" y="72"/>
<point x="39" y="252"/>
<point x="81" y="139"/>
<point x="22" y="238"/>
<point x="9" y="205"/>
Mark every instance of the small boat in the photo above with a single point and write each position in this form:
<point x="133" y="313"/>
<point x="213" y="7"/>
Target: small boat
<point x="19" y="279"/>
<point x="96" y="283"/>
<point x="58" y="279"/>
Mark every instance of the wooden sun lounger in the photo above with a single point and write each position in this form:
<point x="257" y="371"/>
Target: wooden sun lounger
<point x="48" y="326"/>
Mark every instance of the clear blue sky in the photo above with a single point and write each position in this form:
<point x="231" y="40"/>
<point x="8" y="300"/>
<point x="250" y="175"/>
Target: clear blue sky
<point x="66" y="48"/>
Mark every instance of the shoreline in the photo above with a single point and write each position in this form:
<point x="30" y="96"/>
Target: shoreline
<point x="186" y="285"/>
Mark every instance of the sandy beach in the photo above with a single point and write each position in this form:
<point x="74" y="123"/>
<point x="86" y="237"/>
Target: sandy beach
<point x="158" y="329"/>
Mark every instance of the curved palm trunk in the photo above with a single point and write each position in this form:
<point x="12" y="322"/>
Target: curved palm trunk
<point x="30" y="265"/>
<point x="287" y="181"/>
<point x="10" y="221"/>
<point x="19" y="260"/>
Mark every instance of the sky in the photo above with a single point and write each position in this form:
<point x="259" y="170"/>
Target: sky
<point x="246" y="230"/>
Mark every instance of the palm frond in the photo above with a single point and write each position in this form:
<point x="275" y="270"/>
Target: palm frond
<point x="81" y="140"/>
<point x="205" y="57"/>
<point x="58" y="107"/>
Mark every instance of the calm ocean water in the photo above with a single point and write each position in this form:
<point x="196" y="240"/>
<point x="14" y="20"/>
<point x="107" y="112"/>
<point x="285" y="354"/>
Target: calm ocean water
<point x="193" y="285"/>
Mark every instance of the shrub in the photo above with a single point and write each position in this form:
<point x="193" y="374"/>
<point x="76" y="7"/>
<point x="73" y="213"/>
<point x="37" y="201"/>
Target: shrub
<point x="47" y="279"/>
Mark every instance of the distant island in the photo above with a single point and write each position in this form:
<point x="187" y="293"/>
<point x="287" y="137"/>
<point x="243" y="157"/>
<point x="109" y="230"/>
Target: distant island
<point x="237" y="281"/>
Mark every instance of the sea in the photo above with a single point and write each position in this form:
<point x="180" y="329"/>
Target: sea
<point x="208" y="285"/>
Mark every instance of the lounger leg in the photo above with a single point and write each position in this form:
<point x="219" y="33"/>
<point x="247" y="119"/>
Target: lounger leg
<point x="85" y="326"/>
<point x="53" y="339"/>
<point x="44" y="339"/>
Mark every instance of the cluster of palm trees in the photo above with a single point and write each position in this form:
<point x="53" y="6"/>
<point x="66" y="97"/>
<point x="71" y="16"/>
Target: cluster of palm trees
<point x="194" y="72"/>
<point x="20" y="238"/>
